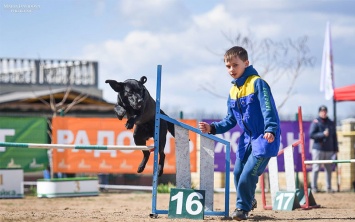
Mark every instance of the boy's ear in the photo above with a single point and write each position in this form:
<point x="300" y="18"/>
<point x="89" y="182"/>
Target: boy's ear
<point x="246" y="63"/>
<point x="116" y="86"/>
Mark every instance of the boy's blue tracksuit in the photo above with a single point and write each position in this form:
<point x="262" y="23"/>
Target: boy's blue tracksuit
<point x="252" y="107"/>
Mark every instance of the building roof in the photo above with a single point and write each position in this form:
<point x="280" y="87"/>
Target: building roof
<point x="27" y="95"/>
<point x="76" y="102"/>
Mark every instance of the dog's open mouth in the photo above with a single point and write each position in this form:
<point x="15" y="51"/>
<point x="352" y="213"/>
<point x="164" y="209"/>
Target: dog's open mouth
<point x="136" y="106"/>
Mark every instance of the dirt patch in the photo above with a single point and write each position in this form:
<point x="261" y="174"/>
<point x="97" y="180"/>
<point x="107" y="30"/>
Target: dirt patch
<point x="136" y="206"/>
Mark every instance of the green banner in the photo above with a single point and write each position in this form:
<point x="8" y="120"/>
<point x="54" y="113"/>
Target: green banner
<point x="23" y="130"/>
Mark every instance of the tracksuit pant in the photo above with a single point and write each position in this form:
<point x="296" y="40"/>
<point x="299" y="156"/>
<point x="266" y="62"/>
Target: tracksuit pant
<point x="246" y="175"/>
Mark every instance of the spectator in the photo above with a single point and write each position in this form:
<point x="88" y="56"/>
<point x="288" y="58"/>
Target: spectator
<point x="325" y="146"/>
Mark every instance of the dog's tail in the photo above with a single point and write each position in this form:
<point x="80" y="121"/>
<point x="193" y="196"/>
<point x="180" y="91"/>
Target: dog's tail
<point x="171" y="127"/>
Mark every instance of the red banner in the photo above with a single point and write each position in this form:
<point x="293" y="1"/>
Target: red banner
<point x="107" y="131"/>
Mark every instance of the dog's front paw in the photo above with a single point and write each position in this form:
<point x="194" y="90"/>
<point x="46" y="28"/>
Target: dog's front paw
<point x="130" y="123"/>
<point x="120" y="112"/>
<point x="120" y="117"/>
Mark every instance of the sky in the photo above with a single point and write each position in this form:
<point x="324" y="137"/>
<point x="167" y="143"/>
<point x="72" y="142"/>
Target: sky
<point x="129" y="38"/>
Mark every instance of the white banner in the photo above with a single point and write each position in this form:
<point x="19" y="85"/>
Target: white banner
<point x="326" y="81"/>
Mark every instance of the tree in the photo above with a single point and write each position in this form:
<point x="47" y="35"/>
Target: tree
<point x="60" y="108"/>
<point x="63" y="106"/>
<point x="287" y="57"/>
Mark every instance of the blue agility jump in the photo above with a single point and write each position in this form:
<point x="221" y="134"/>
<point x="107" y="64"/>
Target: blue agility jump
<point x="159" y="116"/>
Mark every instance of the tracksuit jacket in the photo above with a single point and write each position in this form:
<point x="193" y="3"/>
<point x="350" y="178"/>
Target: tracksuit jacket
<point x="252" y="107"/>
<point x="321" y="142"/>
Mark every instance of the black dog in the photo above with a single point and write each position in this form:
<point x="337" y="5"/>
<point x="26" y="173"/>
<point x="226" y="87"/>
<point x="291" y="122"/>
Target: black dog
<point x="134" y="101"/>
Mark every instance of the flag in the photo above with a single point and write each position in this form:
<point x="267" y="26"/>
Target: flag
<point x="327" y="73"/>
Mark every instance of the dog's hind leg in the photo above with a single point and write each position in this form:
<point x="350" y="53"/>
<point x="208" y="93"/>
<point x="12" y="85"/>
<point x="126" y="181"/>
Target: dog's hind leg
<point x="161" y="158"/>
<point x="162" y="142"/>
<point x="171" y="126"/>
<point x="145" y="159"/>
<point x="140" y="139"/>
<point x="146" y="155"/>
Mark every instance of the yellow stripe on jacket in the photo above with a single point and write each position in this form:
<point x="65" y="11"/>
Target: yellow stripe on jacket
<point x="245" y="90"/>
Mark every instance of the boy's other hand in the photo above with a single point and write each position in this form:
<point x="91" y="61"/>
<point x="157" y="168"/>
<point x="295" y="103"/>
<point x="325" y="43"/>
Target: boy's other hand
<point x="269" y="137"/>
<point x="204" y="127"/>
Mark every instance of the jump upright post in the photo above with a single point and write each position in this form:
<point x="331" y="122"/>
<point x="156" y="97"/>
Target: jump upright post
<point x="204" y="137"/>
<point x="289" y="171"/>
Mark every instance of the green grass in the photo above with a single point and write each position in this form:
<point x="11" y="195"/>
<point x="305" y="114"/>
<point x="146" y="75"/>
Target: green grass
<point x="165" y="188"/>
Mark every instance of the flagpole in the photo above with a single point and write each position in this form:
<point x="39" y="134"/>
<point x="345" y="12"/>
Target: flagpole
<point x="335" y="112"/>
<point x="337" y="169"/>
<point x="327" y="83"/>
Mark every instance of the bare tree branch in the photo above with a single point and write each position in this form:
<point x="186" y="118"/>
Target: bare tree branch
<point x="77" y="100"/>
<point x="52" y="103"/>
<point x="203" y="87"/>
<point x="64" y="97"/>
<point x="40" y="99"/>
<point x="279" y="58"/>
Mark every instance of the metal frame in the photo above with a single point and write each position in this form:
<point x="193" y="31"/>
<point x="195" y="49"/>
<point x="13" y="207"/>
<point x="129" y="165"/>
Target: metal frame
<point x="159" y="116"/>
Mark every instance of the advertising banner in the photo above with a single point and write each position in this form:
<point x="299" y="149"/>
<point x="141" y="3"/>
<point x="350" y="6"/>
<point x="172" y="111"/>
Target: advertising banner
<point x="107" y="131"/>
<point x="289" y="135"/>
<point x="23" y="130"/>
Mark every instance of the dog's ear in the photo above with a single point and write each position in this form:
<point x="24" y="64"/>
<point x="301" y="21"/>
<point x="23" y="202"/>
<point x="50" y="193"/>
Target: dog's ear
<point x="143" y="79"/>
<point x="117" y="86"/>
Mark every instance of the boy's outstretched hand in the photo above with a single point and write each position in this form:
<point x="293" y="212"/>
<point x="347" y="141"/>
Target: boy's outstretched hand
<point x="269" y="137"/>
<point x="204" y="127"/>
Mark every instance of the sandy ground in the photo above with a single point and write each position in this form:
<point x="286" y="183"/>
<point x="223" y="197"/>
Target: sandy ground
<point x="136" y="206"/>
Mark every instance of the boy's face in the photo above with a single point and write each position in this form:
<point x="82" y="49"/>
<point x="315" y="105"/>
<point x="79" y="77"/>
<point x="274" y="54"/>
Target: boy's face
<point x="235" y="66"/>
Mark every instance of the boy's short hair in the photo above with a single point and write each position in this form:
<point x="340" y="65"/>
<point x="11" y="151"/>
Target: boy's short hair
<point x="236" y="51"/>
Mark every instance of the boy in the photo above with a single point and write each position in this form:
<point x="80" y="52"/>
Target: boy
<point x="252" y="107"/>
